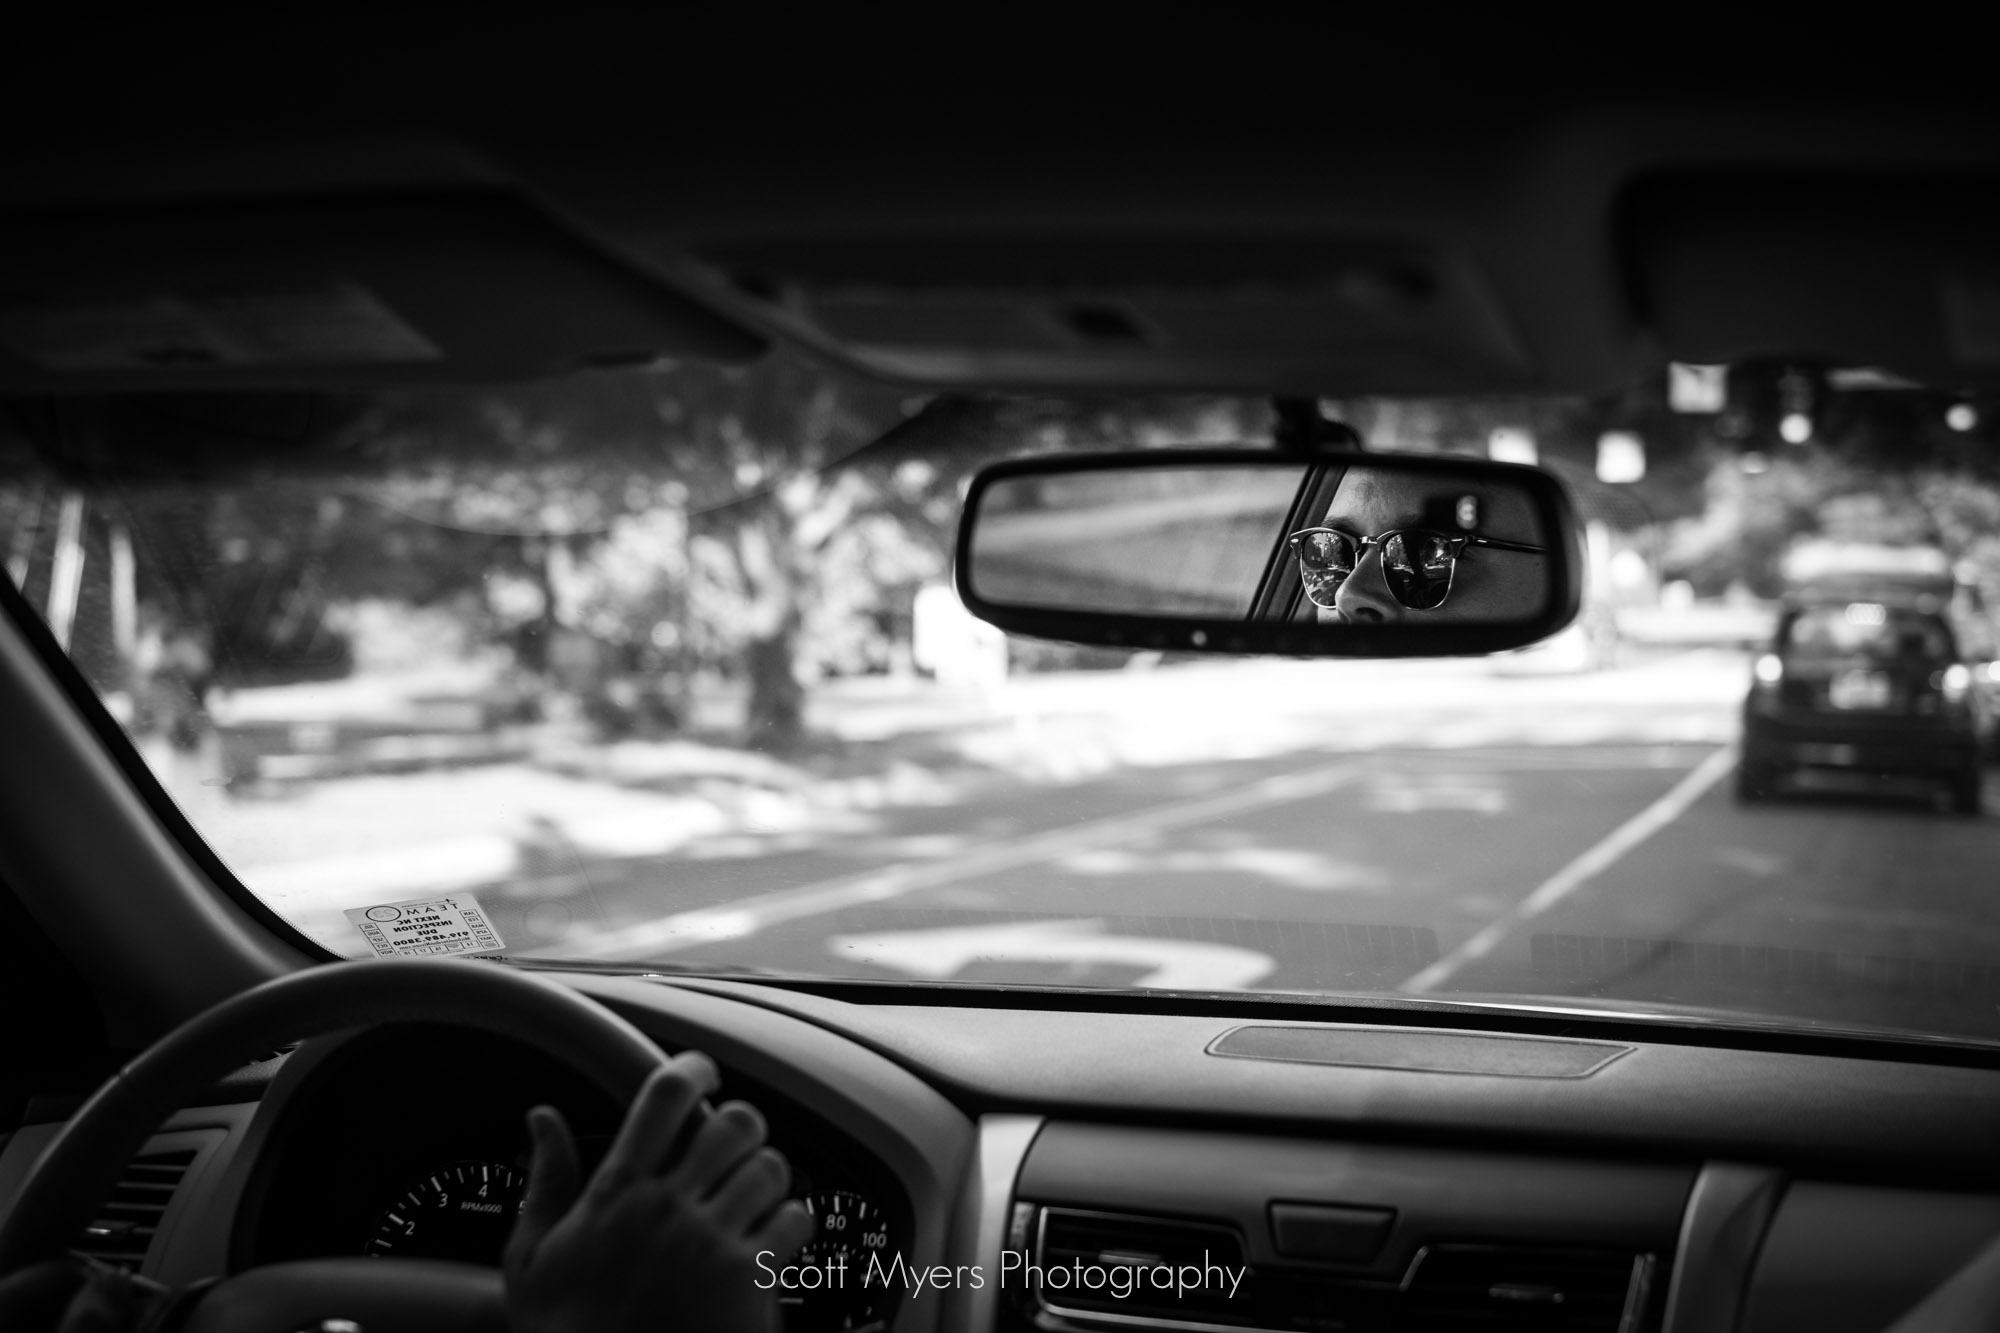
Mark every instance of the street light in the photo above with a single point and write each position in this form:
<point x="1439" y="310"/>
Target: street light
<point x="1621" y="457"/>
<point x="1511" y="444"/>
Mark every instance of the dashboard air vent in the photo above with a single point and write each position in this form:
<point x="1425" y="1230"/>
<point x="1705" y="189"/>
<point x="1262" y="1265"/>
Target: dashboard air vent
<point x="1502" y="1289"/>
<point x="125" y="1226"/>
<point x="1088" y="1246"/>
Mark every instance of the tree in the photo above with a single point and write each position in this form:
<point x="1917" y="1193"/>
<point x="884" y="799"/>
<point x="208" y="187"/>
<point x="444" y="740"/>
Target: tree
<point x="798" y="528"/>
<point x="734" y="460"/>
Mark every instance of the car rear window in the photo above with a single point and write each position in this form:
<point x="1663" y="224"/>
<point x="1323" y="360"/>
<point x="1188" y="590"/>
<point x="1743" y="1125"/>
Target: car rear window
<point x="1867" y="629"/>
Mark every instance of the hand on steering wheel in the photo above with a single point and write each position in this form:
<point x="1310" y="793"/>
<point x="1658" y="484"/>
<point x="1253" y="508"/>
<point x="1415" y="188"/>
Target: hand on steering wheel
<point x="673" y="1220"/>
<point x="666" y="1233"/>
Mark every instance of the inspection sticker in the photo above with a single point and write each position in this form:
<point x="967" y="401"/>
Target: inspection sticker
<point x="427" y="926"/>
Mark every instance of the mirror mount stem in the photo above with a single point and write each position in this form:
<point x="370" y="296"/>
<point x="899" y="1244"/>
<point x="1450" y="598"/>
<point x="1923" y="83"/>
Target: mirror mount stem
<point x="1300" y="424"/>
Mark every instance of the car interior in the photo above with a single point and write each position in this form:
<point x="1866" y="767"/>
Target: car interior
<point x="193" y="1086"/>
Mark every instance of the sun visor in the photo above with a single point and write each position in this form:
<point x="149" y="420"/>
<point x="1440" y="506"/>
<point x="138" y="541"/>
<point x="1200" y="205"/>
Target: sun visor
<point x="1893" y="270"/>
<point x="458" y="285"/>
<point x="1320" y="314"/>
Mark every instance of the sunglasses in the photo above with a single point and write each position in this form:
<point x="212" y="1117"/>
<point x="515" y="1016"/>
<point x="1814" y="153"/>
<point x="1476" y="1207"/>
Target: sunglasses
<point x="1417" y="563"/>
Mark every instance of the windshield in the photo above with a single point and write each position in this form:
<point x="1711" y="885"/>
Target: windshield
<point x="662" y="667"/>
<point x="1866" y="629"/>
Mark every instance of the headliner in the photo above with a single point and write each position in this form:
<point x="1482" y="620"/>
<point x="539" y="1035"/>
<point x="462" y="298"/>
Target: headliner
<point x="1028" y="206"/>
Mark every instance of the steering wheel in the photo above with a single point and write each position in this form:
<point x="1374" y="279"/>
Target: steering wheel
<point x="80" y="1167"/>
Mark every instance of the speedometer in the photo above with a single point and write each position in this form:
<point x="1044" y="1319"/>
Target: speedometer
<point x="463" y="1211"/>
<point x="852" y="1246"/>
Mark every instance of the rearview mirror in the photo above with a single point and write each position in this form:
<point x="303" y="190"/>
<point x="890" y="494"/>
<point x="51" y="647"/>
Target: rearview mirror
<point x="1263" y="551"/>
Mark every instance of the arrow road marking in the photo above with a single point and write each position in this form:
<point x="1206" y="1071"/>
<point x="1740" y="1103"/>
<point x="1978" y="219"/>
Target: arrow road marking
<point x="939" y="955"/>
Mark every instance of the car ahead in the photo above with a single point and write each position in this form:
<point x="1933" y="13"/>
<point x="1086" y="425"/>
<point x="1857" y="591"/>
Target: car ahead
<point x="1875" y="687"/>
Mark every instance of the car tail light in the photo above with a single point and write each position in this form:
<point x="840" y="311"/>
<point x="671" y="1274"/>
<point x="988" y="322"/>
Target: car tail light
<point x="1769" y="673"/>
<point x="1954" y="682"/>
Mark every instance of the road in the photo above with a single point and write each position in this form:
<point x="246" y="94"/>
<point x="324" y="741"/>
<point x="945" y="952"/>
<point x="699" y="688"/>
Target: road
<point x="1438" y="832"/>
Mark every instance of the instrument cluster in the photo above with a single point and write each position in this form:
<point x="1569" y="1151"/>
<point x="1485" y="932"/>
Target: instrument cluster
<point x="411" y="1142"/>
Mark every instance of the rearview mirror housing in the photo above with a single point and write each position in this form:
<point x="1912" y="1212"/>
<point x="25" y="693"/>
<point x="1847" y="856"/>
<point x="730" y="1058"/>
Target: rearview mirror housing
<point x="1318" y="554"/>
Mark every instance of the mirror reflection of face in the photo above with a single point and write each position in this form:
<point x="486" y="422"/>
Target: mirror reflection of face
<point x="1488" y="585"/>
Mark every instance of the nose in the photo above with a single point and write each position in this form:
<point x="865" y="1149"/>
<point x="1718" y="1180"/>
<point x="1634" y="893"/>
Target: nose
<point x="1365" y="599"/>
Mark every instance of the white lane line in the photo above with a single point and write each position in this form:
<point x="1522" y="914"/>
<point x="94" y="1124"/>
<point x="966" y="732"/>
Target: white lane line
<point x="1583" y="869"/>
<point x="706" y="925"/>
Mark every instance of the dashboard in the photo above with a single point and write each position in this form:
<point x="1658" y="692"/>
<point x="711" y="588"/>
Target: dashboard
<point x="409" y="1142"/>
<point x="1072" y="1170"/>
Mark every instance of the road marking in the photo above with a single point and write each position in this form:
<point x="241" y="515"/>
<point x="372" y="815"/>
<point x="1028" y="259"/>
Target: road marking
<point x="1583" y="869"/>
<point x="1410" y="794"/>
<point x="939" y="955"/>
<point x="685" y="930"/>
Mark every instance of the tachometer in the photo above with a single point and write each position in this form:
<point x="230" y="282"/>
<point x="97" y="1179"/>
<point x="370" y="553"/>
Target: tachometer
<point x="852" y="1248"/>
<point x="463" y="1211"/>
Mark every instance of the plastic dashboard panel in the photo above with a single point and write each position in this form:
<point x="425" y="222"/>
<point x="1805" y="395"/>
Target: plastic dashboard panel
<point x="1436" y="1193"/>
<point x="899" y="1120"/>
<point x="1893" y="1117"/>
<point x="1865" y="1193"/>
<point x="1853" y="1259"/>
<point x="1782" y="1190"/>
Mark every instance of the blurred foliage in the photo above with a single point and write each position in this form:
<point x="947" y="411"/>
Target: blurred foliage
<point x="1725" y="494"/>
<point x="1881" y="467"/>
<point x="770" y="523"/>
<point x="764" y="522"/>
<point x="773" y="523"/>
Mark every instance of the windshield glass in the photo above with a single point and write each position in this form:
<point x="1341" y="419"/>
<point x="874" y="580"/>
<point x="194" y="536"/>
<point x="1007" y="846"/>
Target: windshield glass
<point x="1866" y="629"/>
<point x="662" y="666"/>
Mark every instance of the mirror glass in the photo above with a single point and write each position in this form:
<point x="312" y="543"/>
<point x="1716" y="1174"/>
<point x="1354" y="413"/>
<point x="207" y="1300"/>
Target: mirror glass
<point x="1175" y="541"/>
<point x="1319" y="542"/>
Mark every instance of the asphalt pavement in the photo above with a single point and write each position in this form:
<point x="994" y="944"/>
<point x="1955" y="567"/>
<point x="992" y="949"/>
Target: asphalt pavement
<point x="1613" y="869"/>
<point x="1429" y="829"/>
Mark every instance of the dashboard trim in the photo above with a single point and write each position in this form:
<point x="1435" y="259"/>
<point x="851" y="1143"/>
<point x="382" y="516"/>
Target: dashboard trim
<point x="1057" y="1318"/>
<point x="1728" y="1212"/>
<point x="982" y="1229"/>
<point x="1418" y="1050"/>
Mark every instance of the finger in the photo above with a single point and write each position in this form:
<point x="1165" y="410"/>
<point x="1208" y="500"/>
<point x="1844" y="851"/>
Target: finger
<point x="554" y="1178"/>
<point x="655" y="1121"/>
<point x="787" y="1228"/>
<point x="751" y="1191"/>
<point x="718" y="1147"/>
